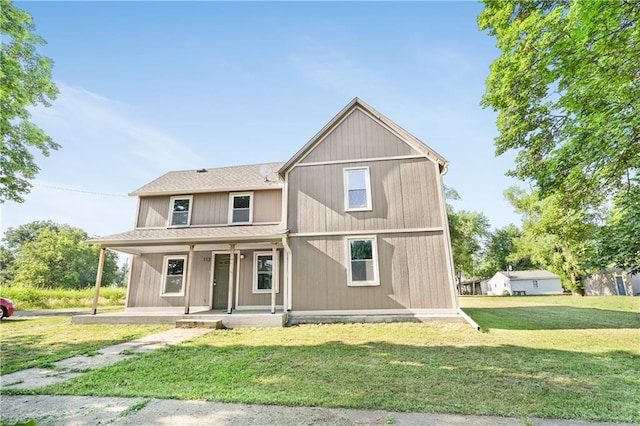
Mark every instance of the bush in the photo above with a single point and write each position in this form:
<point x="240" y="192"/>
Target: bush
<point x="26" y="298"/>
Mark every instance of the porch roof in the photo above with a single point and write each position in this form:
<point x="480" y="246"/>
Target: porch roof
<point x="192" y="235"/>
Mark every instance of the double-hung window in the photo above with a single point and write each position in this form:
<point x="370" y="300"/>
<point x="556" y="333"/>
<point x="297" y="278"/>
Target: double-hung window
<point x="241" y="208"/>
<point x="263" y="272"/>
<point x="180" y="213"/>
<point x="357" y="189"/>
<point x="363" y="261"/>
<point x="173" y="275"/>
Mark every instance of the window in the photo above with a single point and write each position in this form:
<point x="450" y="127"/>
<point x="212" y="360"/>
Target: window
<point x="535" y="283"/>
<point x="363" y="261"/>
<point x="357" y="189"/>
<point x="180" y="213"/>
<point x="173" y="276"/>
<point x="263" y="272"/>
<point x="240" y="208"/>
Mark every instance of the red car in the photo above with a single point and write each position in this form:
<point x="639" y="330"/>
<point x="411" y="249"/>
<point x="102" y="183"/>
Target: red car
<point x="7" y="307"/>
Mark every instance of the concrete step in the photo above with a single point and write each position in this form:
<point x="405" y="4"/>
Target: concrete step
<point x="198" y="323"/>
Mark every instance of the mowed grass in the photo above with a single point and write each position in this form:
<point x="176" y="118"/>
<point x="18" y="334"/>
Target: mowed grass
<point x="564" y="357"/>
<point x="37" y="342"/>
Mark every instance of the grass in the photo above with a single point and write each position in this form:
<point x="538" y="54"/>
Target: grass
<point x="27" y="298"/>
<point x="552" y="357"/>
<point x="27" y="343"/>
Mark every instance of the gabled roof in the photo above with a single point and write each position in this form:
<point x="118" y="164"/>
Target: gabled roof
<point x="235" y="178"/>
<point x="540" y="274"/>
<point x="357" y="103"/>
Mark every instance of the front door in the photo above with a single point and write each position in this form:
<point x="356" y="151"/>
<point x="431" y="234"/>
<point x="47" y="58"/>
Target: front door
<point x="620" y="285"/>
<point x="221" y="281"/>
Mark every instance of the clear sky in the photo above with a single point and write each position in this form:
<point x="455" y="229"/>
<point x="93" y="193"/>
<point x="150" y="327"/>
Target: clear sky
<point x="149" y="87"/>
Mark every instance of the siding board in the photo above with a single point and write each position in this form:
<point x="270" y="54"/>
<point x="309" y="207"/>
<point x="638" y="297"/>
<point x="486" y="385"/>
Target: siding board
<point x="153" y="212"/>
<point x="358" y="136"/>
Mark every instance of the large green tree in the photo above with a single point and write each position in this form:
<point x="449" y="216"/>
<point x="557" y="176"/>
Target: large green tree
<point x="51" y="255"/>
<point x="468" y="232"/>
<point x="553" y="236"/>
<point x="25" y="81"/>
<point x="499" y="250"/>
<point x="567" y="90"/>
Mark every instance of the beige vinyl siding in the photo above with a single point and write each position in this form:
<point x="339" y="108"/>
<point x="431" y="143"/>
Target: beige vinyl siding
<point x="413" y="274"/>
<point x="210" y="209"/>
<point x="358" y="136"/>
<point x="404" y="195"/>
<point x="246" y="297"/>
<point x="267" y="206"/>
<point x="153" y="212"/>
<point x="146" y="282"/>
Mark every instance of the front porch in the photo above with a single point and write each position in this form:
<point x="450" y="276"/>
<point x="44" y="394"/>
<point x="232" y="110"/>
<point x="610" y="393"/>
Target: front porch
<point x="238" y="319"/>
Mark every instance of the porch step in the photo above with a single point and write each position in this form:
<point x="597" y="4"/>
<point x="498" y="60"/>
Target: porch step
<point x="198" y="323"/>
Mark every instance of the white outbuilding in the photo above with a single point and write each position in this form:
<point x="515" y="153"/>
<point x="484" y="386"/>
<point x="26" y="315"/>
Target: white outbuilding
<point x="521" y="283"/>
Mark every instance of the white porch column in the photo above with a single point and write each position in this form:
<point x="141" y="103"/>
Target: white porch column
<point x="231" y="274"/>
<point x="96" y="293"/>
<point x="187" y="283"/>
<point x="274" y="276"/>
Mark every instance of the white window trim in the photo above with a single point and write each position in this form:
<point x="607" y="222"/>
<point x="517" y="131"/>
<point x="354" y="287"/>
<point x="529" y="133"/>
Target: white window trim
<point x="274" y="268"/>
<point x="165" y="263"/>
<point x="367" y="181"/>
<point x="170" y="218"/>
<point x="376" y="276"/>
<point x="240" y="194"/>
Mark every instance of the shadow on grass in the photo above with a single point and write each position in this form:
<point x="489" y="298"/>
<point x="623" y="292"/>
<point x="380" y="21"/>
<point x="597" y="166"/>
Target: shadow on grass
<point x="552" y="318"/>
<point x="490" y="380"/>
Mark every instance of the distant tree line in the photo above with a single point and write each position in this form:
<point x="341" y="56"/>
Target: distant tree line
<point x="45" y="254"/>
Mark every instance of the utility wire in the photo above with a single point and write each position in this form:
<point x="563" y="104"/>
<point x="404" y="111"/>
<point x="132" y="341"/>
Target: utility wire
<point x="103" y="194"/>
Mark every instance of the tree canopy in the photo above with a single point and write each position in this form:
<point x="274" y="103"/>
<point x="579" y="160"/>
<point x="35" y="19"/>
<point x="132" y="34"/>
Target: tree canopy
<point x="567" y="90"/>
<point x="25" y="79"/>
<point x="51" y="255"/>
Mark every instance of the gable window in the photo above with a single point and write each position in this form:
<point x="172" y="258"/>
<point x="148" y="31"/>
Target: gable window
<point x="363" y="261"/>
<point x="173" y="275"/>
<point x="241" y="208"/>
<point x="180" y="214"/>
<point x="357" y="189"/>
<point x="263" y="272"/>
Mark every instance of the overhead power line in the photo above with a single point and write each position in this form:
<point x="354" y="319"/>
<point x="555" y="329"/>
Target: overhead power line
<point x="59" y="188"/>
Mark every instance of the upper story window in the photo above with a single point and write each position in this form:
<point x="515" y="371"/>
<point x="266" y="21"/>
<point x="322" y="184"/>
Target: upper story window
<point x="357" y="189"/>
<point x="363" y="261"/>
<point x="180" y="213"/>
<point x="241" y="208"/>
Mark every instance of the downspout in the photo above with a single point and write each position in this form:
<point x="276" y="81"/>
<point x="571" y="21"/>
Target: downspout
<point x="447" y="237"/>
<point x="287" y="274"/>
<point x="468" y="319"/>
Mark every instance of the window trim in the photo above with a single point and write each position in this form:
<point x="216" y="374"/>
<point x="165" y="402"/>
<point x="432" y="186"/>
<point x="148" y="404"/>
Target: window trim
<point x="165" y="264"/>
<point x="367" y="181"/>
<point x="171" y="204"/>
<point x="232" y="195"/>
<point x="374" y="253"/>
<point x="274" y="267"/>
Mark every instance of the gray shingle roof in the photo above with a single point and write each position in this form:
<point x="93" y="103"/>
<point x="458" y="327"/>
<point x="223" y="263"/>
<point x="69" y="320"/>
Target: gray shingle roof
<point x="529" y="275"/>
<point x="235" y="178"/>
<point x="192" y="235"/>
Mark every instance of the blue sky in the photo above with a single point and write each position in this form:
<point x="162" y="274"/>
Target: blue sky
<point x="148" y="87"/>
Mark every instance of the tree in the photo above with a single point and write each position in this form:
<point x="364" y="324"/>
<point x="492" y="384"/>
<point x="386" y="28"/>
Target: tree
<point x="500" y="247"/>
<point x="554" y="236"/>
<point x="468" y="231"/>
<point x="51" y="255"/>
<point x="567" y="90"/>
<point x="25" y="78"/>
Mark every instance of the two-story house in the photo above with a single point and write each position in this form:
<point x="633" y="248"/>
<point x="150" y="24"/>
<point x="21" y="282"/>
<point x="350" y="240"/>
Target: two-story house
<point x="353" y="224"/>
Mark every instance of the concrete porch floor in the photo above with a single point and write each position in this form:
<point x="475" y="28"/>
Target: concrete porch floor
<point x="237" y="319"/>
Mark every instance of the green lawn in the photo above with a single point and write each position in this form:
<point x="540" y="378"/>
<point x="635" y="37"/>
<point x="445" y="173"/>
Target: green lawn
<point x="37" y="342"/>
<point x="555" y="357"/>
